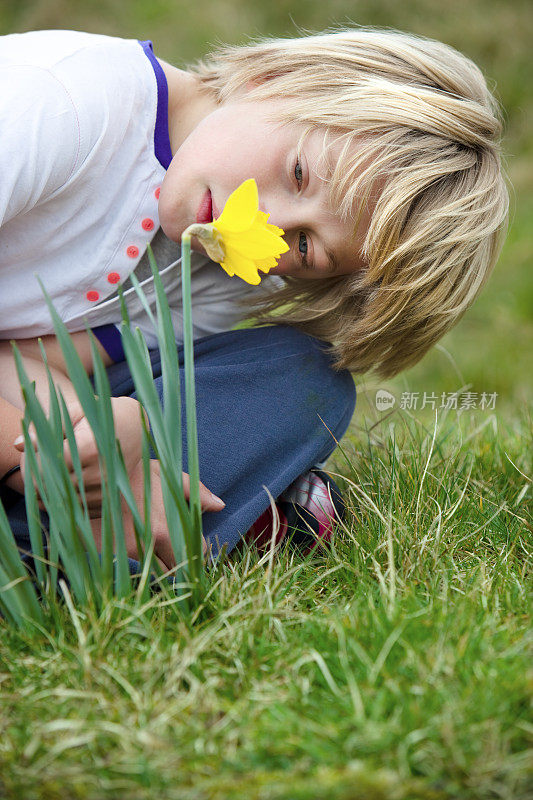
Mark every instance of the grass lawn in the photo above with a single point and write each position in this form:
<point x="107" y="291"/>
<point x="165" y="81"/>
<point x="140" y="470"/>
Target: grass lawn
<point x="394" y="666"/>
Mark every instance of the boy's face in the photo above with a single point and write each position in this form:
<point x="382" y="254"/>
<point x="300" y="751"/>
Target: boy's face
<point x="236" y="141"/>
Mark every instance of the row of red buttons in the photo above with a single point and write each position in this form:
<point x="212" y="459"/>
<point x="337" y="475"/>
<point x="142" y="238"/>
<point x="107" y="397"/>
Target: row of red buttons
<point x="132" y="251"/>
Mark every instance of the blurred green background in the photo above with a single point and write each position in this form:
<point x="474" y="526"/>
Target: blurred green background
<point x="490" y="350"/>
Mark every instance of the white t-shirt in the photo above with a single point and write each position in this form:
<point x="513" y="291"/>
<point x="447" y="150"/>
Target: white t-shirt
<point x="84" y="148"/>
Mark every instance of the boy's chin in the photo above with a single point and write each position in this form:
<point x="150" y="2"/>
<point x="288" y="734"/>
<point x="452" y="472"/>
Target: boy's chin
<point x="170" y="233"/>
<point x="175" y="236"/>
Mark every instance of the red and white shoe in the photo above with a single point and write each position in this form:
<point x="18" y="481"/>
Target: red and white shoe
<point x="308" y="512"/>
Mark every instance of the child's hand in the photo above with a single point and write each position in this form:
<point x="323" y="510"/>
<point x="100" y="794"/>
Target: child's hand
<point x="158" y="522"/>
<point x="128" y="430"/>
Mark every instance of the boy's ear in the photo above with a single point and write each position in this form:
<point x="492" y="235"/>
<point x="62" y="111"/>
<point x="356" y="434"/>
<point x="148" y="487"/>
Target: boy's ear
<point x="247" y="87"/>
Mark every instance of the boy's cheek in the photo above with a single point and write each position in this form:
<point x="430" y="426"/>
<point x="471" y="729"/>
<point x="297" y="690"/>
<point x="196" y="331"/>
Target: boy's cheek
<point x="169" y="206"/>
<point x="168" y="218"/>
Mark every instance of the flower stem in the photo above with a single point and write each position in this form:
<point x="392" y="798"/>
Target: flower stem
<point x="195" y="568"/>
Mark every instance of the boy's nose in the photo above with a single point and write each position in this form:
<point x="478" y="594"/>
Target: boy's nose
<point x="287" y="217"/>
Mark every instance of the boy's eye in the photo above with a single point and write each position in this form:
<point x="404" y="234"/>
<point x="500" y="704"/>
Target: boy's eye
<point x="298" y="172"/>
<point x="302" y="246"/>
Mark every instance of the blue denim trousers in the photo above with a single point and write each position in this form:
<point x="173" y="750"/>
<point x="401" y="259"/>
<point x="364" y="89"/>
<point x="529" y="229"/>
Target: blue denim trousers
<point x="269" y="407"/>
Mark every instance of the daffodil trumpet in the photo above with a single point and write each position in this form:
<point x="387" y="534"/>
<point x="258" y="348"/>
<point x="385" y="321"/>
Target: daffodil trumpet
<point x="241" y="240"/>
<point x="209" y="238"/>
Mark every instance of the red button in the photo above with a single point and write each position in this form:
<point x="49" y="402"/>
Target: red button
<point x="157" y="193"/>
<point x="132" y="251"/>
<point x="147" y="224"/>
<point x="113" y="277"/>
<point x="92" y="296"/>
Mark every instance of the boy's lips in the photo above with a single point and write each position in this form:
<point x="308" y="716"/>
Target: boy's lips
<point x="207" y="210"/>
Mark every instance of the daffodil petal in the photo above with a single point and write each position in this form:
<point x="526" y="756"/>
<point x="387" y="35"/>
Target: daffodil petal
<point x="272" y="228"/>
<point x="240" y="210"/>
<point x="226" y="268"/>
<point x="244" y="267"/>
<point x="266" y="264"/>
<point x="257" y="243"/>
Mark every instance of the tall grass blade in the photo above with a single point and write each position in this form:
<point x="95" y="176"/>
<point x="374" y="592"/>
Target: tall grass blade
<point x="56" y="490"/>
<point x="71" y="539"/>
<point x="18" y="599"/>
<point x="177" y="513"/>
<point x="108" y="463"/>
<point x="172" y="412"/>
<point x="169" y="368"/>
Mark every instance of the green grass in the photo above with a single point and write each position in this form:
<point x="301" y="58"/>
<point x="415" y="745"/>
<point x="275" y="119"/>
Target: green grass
<point x="398" y="665"/>
<point x="395" y="666"/>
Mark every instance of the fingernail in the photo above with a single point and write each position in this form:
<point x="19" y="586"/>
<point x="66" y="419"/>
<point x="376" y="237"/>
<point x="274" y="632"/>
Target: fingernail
<point x="19" y="440"/>
<point x="217" y="501"/>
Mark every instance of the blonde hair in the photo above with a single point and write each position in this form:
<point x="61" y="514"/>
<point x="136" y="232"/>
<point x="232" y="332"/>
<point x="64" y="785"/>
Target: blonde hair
<point x="431" y="131"/>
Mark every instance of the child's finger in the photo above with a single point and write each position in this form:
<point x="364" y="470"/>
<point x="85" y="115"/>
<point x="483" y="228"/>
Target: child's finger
<point x="19" y="444"/>
<point x="86" y="444"/>
<point x="91" y="478"/>
<point x="208" y="500"/>
<point x="75" y="412"/>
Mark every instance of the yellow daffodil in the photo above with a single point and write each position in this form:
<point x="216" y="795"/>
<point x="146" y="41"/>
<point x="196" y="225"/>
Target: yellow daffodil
<point x="241" y="239"/>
